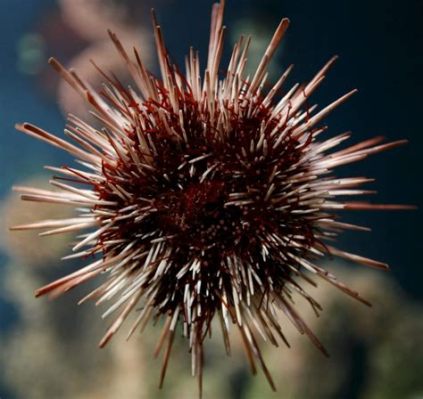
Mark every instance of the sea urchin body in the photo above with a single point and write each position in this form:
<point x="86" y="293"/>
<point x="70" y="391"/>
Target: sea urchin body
<point x="203" y="197"/>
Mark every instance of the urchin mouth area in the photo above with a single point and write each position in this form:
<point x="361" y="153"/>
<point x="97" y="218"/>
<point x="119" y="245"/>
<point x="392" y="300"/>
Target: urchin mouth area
<point x="192" y="205"/>
<point x="212" y="200"/>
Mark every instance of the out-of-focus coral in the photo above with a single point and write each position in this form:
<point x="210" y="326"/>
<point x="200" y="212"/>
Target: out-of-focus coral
<point x="39" y="358"/>
<point x="76" y="32"/>
<point x="362" y="343"/>
<point x="374" y="352"/>
<point x="26" y="247"/>
<point x="90" y="20"/>
<point x="398" y="360"/>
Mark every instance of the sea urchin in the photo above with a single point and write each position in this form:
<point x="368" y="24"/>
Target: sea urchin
<point x="203" y="197"/>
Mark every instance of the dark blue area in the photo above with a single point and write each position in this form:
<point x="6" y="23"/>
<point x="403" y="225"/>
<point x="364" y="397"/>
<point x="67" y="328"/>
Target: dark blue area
<point x="379" y="44"/>
<point x="10" y="315"/>
<point x="19" y="97"/>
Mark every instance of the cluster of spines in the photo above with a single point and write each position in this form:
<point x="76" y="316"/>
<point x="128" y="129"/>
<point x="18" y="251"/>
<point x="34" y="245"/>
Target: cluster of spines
<point x="212" y="132"/>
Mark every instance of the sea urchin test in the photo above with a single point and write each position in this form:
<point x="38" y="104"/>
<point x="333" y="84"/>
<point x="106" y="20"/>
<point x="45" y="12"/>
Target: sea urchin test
<point x="202" y="196"/>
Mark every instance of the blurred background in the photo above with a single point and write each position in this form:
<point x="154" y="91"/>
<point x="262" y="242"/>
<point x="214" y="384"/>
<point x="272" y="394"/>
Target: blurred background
<point x="49" y="349"/>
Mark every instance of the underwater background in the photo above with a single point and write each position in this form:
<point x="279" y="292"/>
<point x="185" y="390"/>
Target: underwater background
<point x="48" y="349"/>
